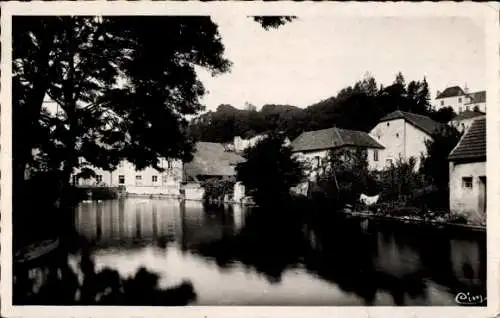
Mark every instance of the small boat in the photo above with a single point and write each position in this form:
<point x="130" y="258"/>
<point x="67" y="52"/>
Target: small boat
<point x="35" y="251"/>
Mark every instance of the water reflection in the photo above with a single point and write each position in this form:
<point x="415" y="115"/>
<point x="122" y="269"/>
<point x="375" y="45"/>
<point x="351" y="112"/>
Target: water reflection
<point x="233" y="256"/>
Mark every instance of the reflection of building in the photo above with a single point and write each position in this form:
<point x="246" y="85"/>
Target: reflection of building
<point x="466" y="260"/>
<point x="131" y="219"/>
<point x="403" y="135"/>
<point x="122" y="222"/>
<point x="468" y="173"/>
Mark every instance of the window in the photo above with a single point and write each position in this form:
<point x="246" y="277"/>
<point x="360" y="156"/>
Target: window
<point x="387" y="124"/>
<point x="154" y="178"/>
<point x="169" y="164"/>
<point x="164" y="178"/>
<point x="98" y="178"/>
<point x="375" y="155"/>
<point x="121" y="179"/>
<point x="397" y="135"/>
<point x="138" y="177"/>
<point x="442" y="103"/>
<point x="467" y="108"/>
<point x="460" y="109"/>
<point x="467" y="182"/>
<point x="460" y="99"/>
<point x="122" y="164"/>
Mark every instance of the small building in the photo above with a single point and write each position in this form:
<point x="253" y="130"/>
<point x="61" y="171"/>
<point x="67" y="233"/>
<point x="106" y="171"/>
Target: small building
<point x="460" y="100"/>
<point x="454" y="97"/>
<point x="314" y="146"/>
<point x="211" y="160"/>
<point x="403" y="135"/>
<point x="467" y="170"/>
<point x="464" y="120"/>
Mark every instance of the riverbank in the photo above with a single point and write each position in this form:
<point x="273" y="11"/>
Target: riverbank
<point x="415" y="221"/>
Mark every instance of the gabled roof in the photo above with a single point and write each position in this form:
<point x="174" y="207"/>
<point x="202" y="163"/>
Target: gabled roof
<point x="477" y="97"/>
<point x="468" y="114"/>
<point x="421" y="122"/>
<point x="333" y="138"/>
<point x="451" y="92"/>
<point x="212" y="159"/>
<point x="472" y="145"/>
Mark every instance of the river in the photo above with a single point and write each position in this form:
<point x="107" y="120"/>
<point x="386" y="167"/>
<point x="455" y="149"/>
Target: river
<point x="231" y="260"/>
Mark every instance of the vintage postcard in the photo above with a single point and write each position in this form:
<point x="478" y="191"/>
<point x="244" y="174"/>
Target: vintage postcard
<point x="244" y="159"/>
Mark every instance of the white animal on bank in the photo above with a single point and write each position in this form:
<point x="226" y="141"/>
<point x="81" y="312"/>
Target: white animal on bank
<point x="369" y="200"/>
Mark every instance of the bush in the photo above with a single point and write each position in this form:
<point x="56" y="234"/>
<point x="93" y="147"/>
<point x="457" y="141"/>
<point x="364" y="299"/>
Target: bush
<point x="458" y="219"/>
<point x="216" y="189"/>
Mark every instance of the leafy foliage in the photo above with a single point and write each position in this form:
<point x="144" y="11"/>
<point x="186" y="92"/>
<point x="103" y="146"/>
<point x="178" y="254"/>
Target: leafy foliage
<point x="344" y="176"/>
<point x="216" y="188"/>
<point x="435" y="165"/>
<point x="341" y="110"/>
<point x="270" y="170"/>
<point x="273" y="22"/>
<point x="400" y="180"/>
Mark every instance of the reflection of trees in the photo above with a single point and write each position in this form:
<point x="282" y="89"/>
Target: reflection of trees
<point x="87" y="286"/>
<point x="349" y="259"/>
<point x="270" y="242"/>
<point x="264" y="243"/>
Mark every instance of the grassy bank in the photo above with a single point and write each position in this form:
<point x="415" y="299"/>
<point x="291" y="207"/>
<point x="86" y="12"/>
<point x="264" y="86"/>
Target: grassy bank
<point x="441" y="222"/>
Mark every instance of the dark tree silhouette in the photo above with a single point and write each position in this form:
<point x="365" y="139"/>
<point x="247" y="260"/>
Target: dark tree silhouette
<point x="269" y="171"/>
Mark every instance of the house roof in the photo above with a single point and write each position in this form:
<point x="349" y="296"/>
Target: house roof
<point x="472" y="145"/>
<point x="451" y="92"/>
<point x="468" y="114"/>
<point x="477" y="97"/>
<point x="333" y="138"/>
<point x="212" y="159"/>
<point x="423" y="123"/>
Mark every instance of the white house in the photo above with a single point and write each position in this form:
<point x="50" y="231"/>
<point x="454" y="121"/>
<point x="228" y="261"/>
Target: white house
<point x="402" y="135"/>
<point x="467" y="164"/>
<point x="460" y="100"/>
<point x="314" y="146"/>
<point x="476" y="102"/>
<point x="145" y="181"/>
<point x="464" y="120"/>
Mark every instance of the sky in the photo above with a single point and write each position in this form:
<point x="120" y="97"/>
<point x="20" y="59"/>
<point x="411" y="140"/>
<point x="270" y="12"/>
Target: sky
<point x="312" y="58"/>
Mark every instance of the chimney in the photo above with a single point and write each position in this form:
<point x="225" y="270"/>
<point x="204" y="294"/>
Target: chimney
<point x="466" y="89"/>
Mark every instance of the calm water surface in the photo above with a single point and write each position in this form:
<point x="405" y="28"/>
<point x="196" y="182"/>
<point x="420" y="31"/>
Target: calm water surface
<point x="232" y="260"/>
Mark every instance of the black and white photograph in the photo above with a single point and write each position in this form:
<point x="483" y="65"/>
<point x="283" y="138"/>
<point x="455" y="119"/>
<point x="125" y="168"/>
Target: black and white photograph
<point x="223" y="156"/>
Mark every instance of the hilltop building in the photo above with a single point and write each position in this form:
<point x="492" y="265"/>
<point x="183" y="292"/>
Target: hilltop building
<point x="460" y="100"/>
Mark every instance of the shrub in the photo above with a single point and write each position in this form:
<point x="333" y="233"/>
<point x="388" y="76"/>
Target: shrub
<point x="218" y="188"/>
<point x="458" y="219"/>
